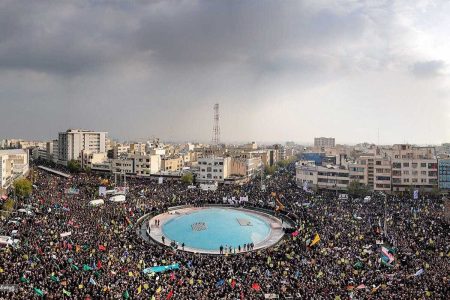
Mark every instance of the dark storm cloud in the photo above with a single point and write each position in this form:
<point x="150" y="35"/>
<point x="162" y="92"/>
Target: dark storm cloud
<point x="83" y="36"/>
<point x="158" y="66"/>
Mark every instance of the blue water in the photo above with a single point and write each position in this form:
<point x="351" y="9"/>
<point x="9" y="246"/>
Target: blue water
<point x="222" y="229"/>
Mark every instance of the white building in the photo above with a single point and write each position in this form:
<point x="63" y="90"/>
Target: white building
<point x="213" y="169"/>
<point x="138" y="165"/>
<point x="13" y="164"/>
<point x="330" y="177"/>
<point x="72" y="142"/>
<point x="324" y="142"/>
<point x="413" y="167"/>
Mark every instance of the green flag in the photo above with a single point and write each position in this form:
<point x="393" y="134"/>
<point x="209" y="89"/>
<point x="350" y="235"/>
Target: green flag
<point x="39" y="292"/>
<point x="23" y="279"/>
<point x="67" y="293"/>
<point x="126" y="295"/>
<point x="54" y="278"/>
<point x="358" y="265"/>
<point x="75" y="267"/>
<point x="86" y="268"/>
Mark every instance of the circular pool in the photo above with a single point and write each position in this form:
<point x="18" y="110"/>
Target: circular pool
<point x="207" y="229"/>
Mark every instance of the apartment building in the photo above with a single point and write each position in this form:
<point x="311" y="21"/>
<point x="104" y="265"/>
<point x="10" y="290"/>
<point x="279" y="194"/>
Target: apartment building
<point x="137" y="148"/>
<point x="13" y="164"/>
<point x="120" y="150"/>
<point x="172" y="164"/>
<point x="72" y="142"/>
<point x="330" y="177"/>
<point x="444" y="174"/>
<point x="245" y="167"/>
<point x="382" y="174"/>
<point x="213" y="169"/>
<point x="138" y="165"/>
<point x="90" y="158"/>
<point x="413" y="167"/>
<point x="324" y="142"/>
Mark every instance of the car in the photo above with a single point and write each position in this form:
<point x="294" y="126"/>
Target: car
<point x="367" y="199"/>
<point x="343" y="196"/>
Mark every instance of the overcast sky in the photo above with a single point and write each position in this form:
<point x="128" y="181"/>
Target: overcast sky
<point x="281" y="70"/>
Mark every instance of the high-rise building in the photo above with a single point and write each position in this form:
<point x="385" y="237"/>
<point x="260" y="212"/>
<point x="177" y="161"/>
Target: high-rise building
<point x="324" y="142"/>
<point x="74" y="141"/>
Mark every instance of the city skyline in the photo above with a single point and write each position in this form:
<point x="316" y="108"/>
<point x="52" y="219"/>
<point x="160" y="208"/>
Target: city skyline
<point x="357" y="71"/>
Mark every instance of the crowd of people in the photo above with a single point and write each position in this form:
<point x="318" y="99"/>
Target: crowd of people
<point x="71" y="250"/>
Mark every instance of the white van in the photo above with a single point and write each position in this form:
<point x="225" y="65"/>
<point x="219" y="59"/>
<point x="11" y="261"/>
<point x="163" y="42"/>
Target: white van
<point x="367" y="199"/>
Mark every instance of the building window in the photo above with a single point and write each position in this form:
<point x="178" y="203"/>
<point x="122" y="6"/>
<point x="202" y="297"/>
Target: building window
<point x="406" y="165"/>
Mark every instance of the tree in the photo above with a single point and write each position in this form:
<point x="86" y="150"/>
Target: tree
<point x="74" y="166"/>
<point x="269" y="170"/>
<point x="187" y="178"/>
<point x="357" y="189"/>
<point x="7" y="207"/>
<point x="23" y="187"/>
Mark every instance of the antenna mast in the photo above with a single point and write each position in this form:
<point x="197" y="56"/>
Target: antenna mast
<point x="216" y="129"/>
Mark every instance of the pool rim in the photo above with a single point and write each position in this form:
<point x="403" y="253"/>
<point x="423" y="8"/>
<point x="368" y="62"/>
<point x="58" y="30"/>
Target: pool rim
<point x="274" y="237"/>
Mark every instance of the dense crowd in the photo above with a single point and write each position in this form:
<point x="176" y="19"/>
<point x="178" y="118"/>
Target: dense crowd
<point x="103" y="257"/>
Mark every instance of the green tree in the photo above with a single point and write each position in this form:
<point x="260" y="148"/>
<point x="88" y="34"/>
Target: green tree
<point x="269" y="170"/>
<point x="74" y="166"/>
<point x="23" y="187"/>
<point x="7" y="207"/>
<point x="187" y="178"/>
<point x="435" y="191"/>
<point x="357" y="189"/>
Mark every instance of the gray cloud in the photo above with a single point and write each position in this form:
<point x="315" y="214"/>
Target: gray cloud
<point x="158" y="66"/>
<point x="430" y="68"/>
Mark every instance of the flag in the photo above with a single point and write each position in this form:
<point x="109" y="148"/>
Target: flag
<point x="67" y="293"/>
<point x="74" y="267"/>
<point x="418" y="273"/>
<point x="101" y="248"/>
<point x="361" y="286"/>
<point x="39" y="292"/>
<point x="169" y="295"/>
<point x="77" y="248"/>
<point x="386" y="255"/>
<point x="54" y="278"/>
<point x="126" y="295"/>
<point x="233" y="283"/>
<point x="139" y="289"/>
<point x="99" y="264"/>
<point x="92" y="281"/>
<point x="220" y="282"/>
<point x="358" y="265"/>
<point x="256" y="287"/>
<point x="172" y="276"/>
<point x="86" y="268"/>
<point x="23" y="279"/>
<point x="315" y="240"/>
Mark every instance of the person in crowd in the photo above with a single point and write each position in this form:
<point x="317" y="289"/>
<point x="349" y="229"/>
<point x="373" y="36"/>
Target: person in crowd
<point x="103" y="257"/>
